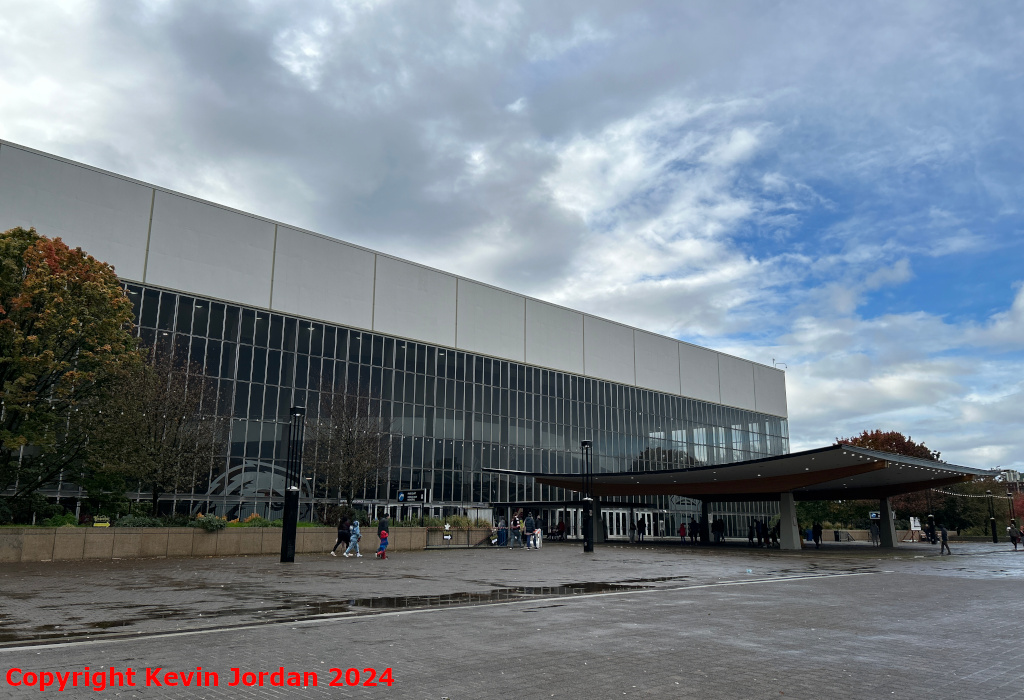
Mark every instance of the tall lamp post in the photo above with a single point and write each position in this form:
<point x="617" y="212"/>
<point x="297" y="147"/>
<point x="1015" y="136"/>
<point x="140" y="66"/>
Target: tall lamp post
<point x="293" y="472"/>
<point x="992" y="518"/>
<point x="588" y="496"/>
<point x="1013" y="508"/>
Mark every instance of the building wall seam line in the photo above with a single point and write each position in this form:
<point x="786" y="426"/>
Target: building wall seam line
<point x="149" y="233"/>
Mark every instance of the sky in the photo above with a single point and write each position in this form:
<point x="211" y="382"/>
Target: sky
<point x="837" y="187"/>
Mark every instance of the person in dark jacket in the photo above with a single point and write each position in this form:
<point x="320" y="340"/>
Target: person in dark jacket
<point x="528" y="527"/>
<point x="344" y="534"/>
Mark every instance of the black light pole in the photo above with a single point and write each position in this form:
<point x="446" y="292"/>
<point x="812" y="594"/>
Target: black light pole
<point x="1013" y="508"/>
<point x="293" y="471"/>
<point x="992" y="518"/>
<point x="588" y="497"/>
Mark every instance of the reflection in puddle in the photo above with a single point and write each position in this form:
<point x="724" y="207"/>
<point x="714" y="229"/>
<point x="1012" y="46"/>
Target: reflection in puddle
<point x="306" y="609"/>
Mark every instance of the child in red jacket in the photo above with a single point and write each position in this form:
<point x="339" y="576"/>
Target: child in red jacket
<point x="381" y="553"/>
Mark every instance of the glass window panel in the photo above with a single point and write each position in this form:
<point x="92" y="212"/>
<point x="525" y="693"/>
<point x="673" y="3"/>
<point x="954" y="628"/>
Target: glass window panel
<point x="227" y="361"/>
<point x="377" y="358"/>
<point x="197" y="355"/>
<point x="185" y="314"/>
<point x="301" y="371"/>
<point x="216" y="329"/>
<point x="200" y="317"/>
<point x="167" y="303"/>
<point x="241" y="399"/>
<point x="213" y="357"/>
<point x="330" y="338"/>
<point x="273" y="366"/>
<point x="248" y="332"/>
<point x="262" y="331"/>
<point x="150" y="307"/>
<point x="244" y="371"/>
<point x="290" y="331"/>
<point x="316" y="339"/>
<point x="231" y="320"/>
<point x="259" y="365"/>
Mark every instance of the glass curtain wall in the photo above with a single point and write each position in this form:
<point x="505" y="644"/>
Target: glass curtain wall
<point x="453" y="413"/>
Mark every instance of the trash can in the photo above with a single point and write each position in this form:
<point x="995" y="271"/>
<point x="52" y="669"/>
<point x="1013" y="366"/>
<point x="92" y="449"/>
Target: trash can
<point x="808" y="535"/>
<point x="836" y="533"/>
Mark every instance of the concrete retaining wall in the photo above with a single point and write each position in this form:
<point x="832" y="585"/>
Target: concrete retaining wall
<point x="77" y="543"/>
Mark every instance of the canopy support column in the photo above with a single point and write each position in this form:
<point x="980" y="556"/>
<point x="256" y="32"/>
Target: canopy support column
<point x="887" y="525"/>
<point x="789" y="530"/>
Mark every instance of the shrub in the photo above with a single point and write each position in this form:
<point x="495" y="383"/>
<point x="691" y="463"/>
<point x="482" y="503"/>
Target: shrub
<point x="68" y="519"/>
<point x="253" y="520"/>
<point x="138" y="521"/>
<point x="210" y="523"/>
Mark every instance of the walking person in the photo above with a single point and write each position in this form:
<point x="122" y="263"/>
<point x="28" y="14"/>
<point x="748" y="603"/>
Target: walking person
<point x="529" y="527"/>
<point x="632" y="531"/>
<point x="517" y="531"/>
<point x="945" y="540"/>
<point x="750" y="534"/>
<point x="874" y="534"/>
<point x="381" y="552"/>
<point x="540" y="524"/>
<point x="353" y="541"/>
<point x="344" y="535"/>
<point x="1014" y="534"/>
<point x="816" y="531"/>
<point x="640" y="525"/>
<point x="682" y="533"/>
<point x="692" y="529"/>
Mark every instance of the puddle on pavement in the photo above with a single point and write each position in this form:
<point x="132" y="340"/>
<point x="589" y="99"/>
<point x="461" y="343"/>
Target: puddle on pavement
<point x="308" y="609"/>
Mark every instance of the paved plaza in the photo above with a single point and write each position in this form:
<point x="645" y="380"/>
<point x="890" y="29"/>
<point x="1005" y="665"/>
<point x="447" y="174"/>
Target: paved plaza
<point x="652" y="621"/>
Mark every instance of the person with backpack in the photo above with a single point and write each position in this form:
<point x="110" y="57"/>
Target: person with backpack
<point x="353" y="543"/>
<point x="1014" y="534"/>
<point x="344" y="535"/>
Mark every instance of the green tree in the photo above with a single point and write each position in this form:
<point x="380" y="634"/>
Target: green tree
<point x="157" y="430"/>
<point x="65" y="331"/>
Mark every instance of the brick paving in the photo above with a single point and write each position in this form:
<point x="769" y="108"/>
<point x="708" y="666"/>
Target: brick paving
<point x="707" y="623"/>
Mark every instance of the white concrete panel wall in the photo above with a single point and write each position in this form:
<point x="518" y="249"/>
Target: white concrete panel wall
<point x="208" y="250"/>
<point x="657" y="362"/>
<point x="608" y="351"/>
<point x="698" y="373"/>
<point x="770" y="391"/>
<point x="205" y="249"/>
<point x="554" y="337"/>
<point x="106" y="216"/>
<point x="323" y="278"/>
<point x="490" y="321"/>
<point x="414" y="302"/>
<point x="737" y="380"/>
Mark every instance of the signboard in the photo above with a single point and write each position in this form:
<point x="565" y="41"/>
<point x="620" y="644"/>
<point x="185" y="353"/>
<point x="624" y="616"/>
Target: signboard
<point x="412" y="496"/>
<point x="875" y="515"/>
<point x="915" y="523"/>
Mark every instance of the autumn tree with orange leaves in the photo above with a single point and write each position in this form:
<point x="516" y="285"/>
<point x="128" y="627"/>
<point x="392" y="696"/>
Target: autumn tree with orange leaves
<point x="65" y="328"/>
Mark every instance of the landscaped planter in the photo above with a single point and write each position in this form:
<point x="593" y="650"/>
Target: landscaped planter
<point x="77" y="543"/>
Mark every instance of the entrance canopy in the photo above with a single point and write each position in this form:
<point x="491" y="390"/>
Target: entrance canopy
<point x="828" y="473"/>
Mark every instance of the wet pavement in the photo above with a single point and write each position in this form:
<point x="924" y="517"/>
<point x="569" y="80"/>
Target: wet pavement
<point x="843" y="621"/>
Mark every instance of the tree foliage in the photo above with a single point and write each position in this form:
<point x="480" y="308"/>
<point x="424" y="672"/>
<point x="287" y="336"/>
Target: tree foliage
<point x="349" y="443"/>
<point x="890" y="441"/>
<point x="65" y="332"/>
<point x="158" y="430"/>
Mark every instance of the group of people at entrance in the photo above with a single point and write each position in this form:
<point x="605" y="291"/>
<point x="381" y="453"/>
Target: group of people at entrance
<point x="519" y="533"/>
<point x="349" y="535"/>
